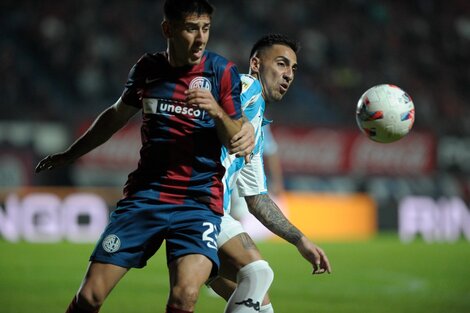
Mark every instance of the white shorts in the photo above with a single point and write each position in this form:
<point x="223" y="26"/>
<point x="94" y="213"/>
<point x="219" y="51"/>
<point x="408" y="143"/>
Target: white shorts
<point x="229" y="228"/>
<point x="238" y="206"/>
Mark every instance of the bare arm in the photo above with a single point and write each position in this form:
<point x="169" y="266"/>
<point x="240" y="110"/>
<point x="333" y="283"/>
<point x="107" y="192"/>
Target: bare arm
<point x="106" y="124"/>
<point x="243" y="143"/>
<point x="227" y="127"/>
<point x="269" y="214"/>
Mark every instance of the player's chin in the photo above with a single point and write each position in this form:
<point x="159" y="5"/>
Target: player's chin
<point x="278" y="96"/>
<point x="194" y="60"/>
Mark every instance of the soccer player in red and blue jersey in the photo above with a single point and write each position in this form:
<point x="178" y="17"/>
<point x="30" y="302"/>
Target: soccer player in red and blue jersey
<point x="190" y="103"/>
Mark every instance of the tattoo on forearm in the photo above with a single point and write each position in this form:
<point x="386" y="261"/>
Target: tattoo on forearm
<point x="269" y="214"/>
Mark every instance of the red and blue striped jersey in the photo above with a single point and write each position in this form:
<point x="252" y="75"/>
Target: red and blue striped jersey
<point x="180" y="154"/>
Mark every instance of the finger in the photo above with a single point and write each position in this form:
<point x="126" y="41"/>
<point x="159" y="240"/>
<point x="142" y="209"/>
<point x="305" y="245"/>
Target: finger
<point x="238" y="146"/>
<point x="241" y="152"/>
<point x="316" y="266"/>
<point x="242" y="133"/>
<point x="38" y="168"/>
<point x="236" y="137"/>
<point x="245" y="147"/>
<point x="241" y="149"/>
<point x="325" y="263"/>
<point x="43" y="167"/>
<point x="42" y="164"/>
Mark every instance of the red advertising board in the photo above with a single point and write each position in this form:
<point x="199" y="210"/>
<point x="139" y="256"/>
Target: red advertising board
<point x="303" y="150"/>
<point x="120" y="151"/>
<point x="323" y="151"/>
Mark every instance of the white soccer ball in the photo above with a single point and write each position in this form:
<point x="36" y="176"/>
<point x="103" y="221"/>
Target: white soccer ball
<point x="385" y="113"/>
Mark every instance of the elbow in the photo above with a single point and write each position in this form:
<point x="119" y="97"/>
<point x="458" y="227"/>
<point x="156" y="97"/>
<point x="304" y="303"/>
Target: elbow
<point x="250" y="202"/>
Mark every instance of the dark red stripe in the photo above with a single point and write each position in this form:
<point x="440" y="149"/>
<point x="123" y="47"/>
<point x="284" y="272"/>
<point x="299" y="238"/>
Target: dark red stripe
<point x="226" y="95"/>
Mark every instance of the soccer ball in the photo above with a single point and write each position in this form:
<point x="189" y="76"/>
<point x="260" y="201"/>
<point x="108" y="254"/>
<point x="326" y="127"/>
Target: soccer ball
<point x="385" y="113"/>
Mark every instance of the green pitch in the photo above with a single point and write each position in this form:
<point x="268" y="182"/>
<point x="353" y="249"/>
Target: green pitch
<point x="381" y="275"/>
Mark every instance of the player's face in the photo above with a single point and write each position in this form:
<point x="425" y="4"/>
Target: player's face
<point x="187" y="39"/>
<point x="276" y="70"/>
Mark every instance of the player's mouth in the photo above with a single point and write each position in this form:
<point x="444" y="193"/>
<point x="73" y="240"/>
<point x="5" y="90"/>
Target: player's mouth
<point x="283" y="87"/>
<point x="196" y="54"/>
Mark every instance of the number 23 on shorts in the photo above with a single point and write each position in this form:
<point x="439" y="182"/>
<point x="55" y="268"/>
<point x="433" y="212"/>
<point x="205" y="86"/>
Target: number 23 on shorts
<point x="209" y="236"/>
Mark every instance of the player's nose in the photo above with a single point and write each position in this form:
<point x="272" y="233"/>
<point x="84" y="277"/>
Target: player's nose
<point x="288" y="75"/>
<point x="200" y="36"/>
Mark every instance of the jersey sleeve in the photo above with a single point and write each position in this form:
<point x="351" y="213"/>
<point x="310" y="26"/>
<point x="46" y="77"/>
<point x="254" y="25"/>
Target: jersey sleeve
<point x="230" y="90"/>
<point x="252" y="179"/>
<point x="135" y="81"/>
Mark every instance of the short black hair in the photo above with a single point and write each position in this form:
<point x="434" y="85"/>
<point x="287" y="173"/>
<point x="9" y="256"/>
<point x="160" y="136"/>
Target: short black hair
<point x="179" y="9"/>
<point x="274" y="39"/>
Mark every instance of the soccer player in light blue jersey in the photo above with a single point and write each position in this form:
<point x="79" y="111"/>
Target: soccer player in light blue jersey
<point x="244" y="278"/>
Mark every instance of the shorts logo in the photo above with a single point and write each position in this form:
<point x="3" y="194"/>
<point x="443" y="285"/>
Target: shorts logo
<point x="111" y="243"/>
<point x="250" y="304"/>
<point x="200" y="82"/>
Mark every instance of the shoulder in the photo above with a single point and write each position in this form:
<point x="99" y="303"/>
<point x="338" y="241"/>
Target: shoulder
<point x="218" y="61"/>
<point x="215" y="57"/>
<point x="149" y="60"/>
<point x="249" y="83"/>
<point x="251" y="89"/>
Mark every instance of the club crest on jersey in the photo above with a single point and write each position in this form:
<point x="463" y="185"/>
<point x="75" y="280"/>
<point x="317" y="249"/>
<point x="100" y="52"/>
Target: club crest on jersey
<point x="200" y="82"/>
<point x="111" y="243"/>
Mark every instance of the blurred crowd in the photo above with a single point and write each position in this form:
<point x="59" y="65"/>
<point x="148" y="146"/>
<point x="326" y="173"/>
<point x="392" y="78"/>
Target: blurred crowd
<point x="67" y="60"/>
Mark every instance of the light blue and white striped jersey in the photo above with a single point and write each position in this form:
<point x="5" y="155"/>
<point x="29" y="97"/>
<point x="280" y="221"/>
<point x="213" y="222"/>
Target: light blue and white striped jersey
<point x="250" y="179"/>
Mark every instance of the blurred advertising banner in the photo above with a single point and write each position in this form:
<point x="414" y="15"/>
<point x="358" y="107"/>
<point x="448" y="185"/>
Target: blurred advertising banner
<point x="445" y="219"/>
<point x="338" y="151"/>
<point x="110" y="163"/>
<point x="314" y="151"/>
<point x="322" y="216"/>
<point x="16" y="167"/>
<point x="55" y="214"/>
<point x="80" y="214"/>
<point x="333" y="216"/>
<point x="21" y="143"/>
<point x="453" y="154"/>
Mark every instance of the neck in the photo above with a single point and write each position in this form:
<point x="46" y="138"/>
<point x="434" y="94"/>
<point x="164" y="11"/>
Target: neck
<point x="170" y="56"/>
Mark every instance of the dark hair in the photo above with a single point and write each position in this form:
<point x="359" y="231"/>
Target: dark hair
<point x="179" y="9"/>
<point x="274" y="39"/>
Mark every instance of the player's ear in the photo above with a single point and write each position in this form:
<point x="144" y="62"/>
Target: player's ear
<point x="254" y="64"/>
<point x="166" y="29"/>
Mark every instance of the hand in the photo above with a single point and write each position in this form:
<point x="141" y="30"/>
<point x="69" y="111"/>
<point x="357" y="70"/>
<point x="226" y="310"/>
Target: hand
<point x="203" y="99"/>
<point x="315" y="255"/>
<point x="243" y="142"/>
<point x="52" y="161"/>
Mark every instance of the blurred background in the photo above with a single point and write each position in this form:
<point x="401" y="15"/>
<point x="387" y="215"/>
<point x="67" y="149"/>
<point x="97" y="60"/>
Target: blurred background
<point x="64" y="62"/>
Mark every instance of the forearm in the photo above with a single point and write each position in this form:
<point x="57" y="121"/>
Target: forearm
<point x="105" y="125"/>
<point x="227" y="127"/>
<point x="269" y="214"/>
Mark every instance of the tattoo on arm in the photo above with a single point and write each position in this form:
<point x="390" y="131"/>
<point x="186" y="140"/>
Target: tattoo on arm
<point x="269" y="214"/>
